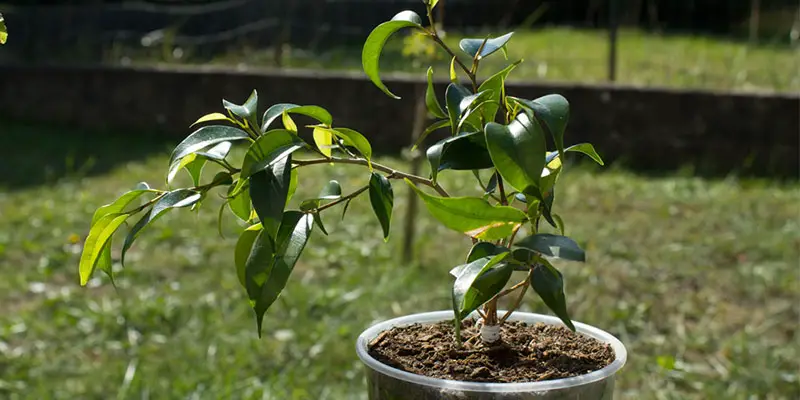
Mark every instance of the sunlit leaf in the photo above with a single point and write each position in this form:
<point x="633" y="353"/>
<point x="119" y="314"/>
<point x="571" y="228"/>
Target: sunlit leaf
<point x="205" y="137"/>
<point x="212" y="117"/>
<point x="430" y="98"/>
<point x="462" y="152"/>
<point x="288" y="123"/>
<point x="495" y="83"/>
<point x="323" y="138"/>
<point x="553" y="246"/>
<point x="269" y="189"/>
<point x="518" y="151"/>
<point x="479" y="250"/>
<point x="553" y="111"/>
<point x="318" y="113"/>
<point x="381" y="197"/>
<point x="471" y="46"/>
<point x="356" y="140"/>
<point x="268" y="149"/>
<point x="244" y="245"/>
<point x="478" y="281"/>
<point x="246" y="111"/>
<point x="99" y="235"/>
<point x="370" y="55"/>
<point x="239" y="204"/>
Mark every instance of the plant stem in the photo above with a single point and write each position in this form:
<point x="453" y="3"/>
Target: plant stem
<point x="518" y="300"/>
<point x="391" y="173"/>
<point x="469" y="73"/>
<point x="343" y="199"/>
<point x="502" y="189"/>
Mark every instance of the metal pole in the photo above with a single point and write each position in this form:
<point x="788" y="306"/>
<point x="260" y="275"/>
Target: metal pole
<point x="612" y="40"/>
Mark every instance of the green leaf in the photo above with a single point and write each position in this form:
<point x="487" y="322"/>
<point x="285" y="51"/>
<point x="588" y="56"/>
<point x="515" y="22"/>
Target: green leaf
<point x="496" y="84"/>
<point x="356" y="140"/>
<point x="559" y="223"/>
<point x="205" y="137"/>
<point x="453" y="76"/>
<point x="212" y="117"/>
<point x="95" y="243"/>
<point x="288" y="123"/>
<point x="553" y="110"/>
<point x="323" y="138"/>
<point x="433" y="3"/>
<point x="518" y="151"/>
<point x="271" y="262"/>
<point x="381" y="197"/>
<point x="269" y="190"/>
<point x="318" y="113"/>
<point x="454" y="95"/>
<point x="268" y="149"/>
<point x="370" y="55"/>
<point x="463" y="152"/>
<point x="240" y="203"/>
<point x="479" y="250"/>
<point x="553" y="246"/>
<point x="331" y="191"/>
<point x="588" y="149"/>
<point x="195" y="162"/>
<point x="318" y="221"/>
<point x="247" y="111"/>
<point x="244" y="245"/>
<point x="292" y="186"/>
<point x="478" y="282"/>
<point x="119" y="205"/>
<point x="436" y="125"/>
<point x="471" y="46"/>
<point x="273" y="113"/>
<point x="472" y="216"/>
<point x="3" y="30"/>
<point x="178" y="198"/>
<point x="549" y="285"/>
<point x="430" y="98"/>
<point x="105" y="263"/>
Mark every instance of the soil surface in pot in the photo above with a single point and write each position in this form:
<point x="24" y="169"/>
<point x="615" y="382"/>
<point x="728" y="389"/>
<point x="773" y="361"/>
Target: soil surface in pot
<point x="526" y="353"/>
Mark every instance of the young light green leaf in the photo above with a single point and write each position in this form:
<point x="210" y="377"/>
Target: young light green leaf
<point x="495" y="83"/>
<point x="205" y="137"/>
<point x="268" y="268"/>
<point x="273" y="113"/>
<point x="518" y="151"/>
<point x="478" y="282"/>
<point x="463" y="152"/>
<point x="553" y="246"/>
<point x="178" y="198"/>
<point x="549" y="285"/>
<point x="430" y="98"/>
<point x="356" y="140"/>
<point x="318" y="113"/>
<point x="240" y="203"/>
<point x="436" y="125"/>
<point x="269" y="190"/>
<point x="268" y="149"/>
<point x="453" y="76"/>
<point x="381" y="196"/>
<point x="98" y="237"/>
<point x="323" y="138"/>
<point x="247" y="111"/>
<point x="472" y="216"/>
<point x="288" y="123"/>
<point x="472" y="46"/>
<point x="212" y="117"/>
<point x="119" y="205"/>
<point x="3" y="30"/>
<point x="370" y="55"/>
<point x="433" y="3"/>
<point x="244" y="245"/>
<point x="553" y="110"/>
<point x="105" y="263"/>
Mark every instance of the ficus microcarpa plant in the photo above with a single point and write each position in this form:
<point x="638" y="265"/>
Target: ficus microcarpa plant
<point x="500" y="138"/>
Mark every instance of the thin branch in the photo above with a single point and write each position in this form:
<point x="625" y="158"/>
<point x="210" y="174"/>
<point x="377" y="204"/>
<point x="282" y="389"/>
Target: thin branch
<point x="342" y="199"/>
<point x="518" y="300"/>
<point x="469" y="73"/>
<point x="509" y="290"/>
<point x="391" y="173"/>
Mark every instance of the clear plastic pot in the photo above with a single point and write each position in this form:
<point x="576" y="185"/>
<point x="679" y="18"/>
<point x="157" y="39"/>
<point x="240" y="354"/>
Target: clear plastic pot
<point x="388" y="383"/>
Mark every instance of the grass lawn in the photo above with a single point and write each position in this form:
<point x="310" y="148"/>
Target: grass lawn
<point x="698" y="278"/>
<point x="578" y="55"/>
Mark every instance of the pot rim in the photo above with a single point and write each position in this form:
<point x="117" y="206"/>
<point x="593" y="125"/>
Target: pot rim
<point x="368" y="335"/>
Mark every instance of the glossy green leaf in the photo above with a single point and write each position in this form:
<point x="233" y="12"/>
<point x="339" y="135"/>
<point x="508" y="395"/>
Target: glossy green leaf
<point x="454" y="95"/>
<point x="370" y="55"/>
<point x="3" y="30"/>
<point x="468" y="107"/>
<point x="119" y="205"/>
<point x="246" y="111"/>
<point x="479" y="250"/>
<point x="273" y="113"/>
<point x="472" y="216"/>
<point x="212" y="117"/>
<point x="453" y="76"/>
<point x="194" y="163"/>
<point x="518" y="151"/>
<point x="331" y="191"/>
<point x="323" y="138"/>
<point x="471" y="46"/>
<point x="553" y="246"/>
<point x="99" y="235"/>
<point x="272" y="147"/>
<point x="292" y="186"/>
<point x="205" y="137"/>
<point x="178" y="198"/>
<point x="269" y="189"/>
<point x="271" y="261"/>
<point x="244" y="246"/>
<point x="320" y="224"/>
<point x="553" y="110"/>
<point x="105" y="263"/>
<point x="381" y="196"/>
<point x="588" y="149"/>
<point x="288" y="123"/>
<point x="433" y="3"/>
<point x="559" y="223"/>
<point x="432" y="128"/>
<point x="356" y="140"/>
<point x="239" y="204"/>
<point x="478" y="282"/>
<point x="549" y="285"/>
<point x="495" y="83"/>
<point x="346" y="206"/>
<point x="462" y="152"/>
<point x="430" y="98"/>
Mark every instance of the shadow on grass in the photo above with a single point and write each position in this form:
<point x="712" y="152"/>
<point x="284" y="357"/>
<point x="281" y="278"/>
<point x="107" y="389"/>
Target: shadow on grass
<point x="39" y="154"/>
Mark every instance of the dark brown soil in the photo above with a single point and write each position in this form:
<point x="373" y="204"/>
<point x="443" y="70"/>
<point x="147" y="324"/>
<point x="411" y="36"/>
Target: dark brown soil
<point x="526" y="353"/>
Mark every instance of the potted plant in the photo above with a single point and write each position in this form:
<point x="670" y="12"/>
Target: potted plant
<point x="475" y="350"/>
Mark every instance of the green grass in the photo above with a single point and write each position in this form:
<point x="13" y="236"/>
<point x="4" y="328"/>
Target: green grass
<point x="577" y="55"/>
<point x="698" y="278"/>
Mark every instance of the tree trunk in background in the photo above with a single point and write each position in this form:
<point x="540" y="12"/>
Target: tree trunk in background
<point x="755" y="11"/>
<point x="613" y="22"/>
